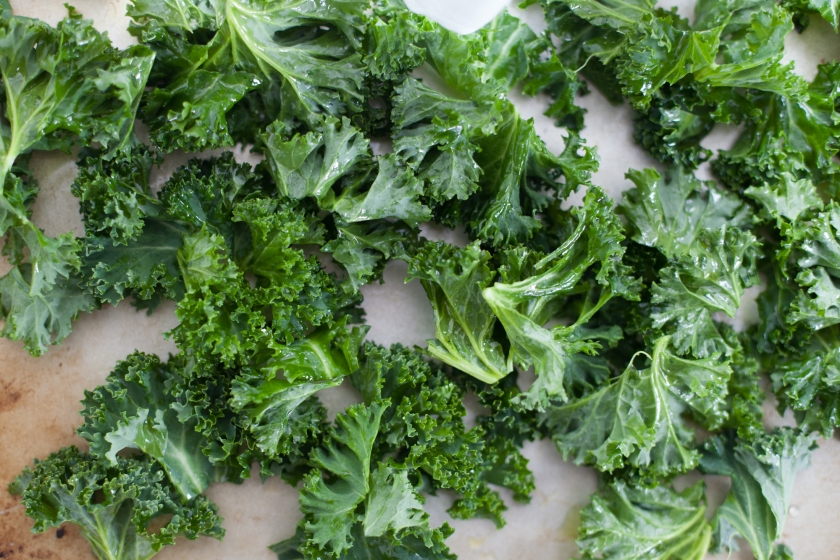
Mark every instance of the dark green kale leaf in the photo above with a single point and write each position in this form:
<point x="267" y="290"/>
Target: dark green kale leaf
<point x="436" y="135"/>
<point x="518" y="172"/>
<point x="636" y="420"/>
<point x="625" y="521"/>
<point x="807" y="380"/>
<point x="112" y="505"/>
<point x="359" y="498"/>
<point x="135" y="409"/>
<point x="114" y="195"/>
<point x="304" y="61"/>
<point x="762" y="472"/>
<point x="423" y="425"/>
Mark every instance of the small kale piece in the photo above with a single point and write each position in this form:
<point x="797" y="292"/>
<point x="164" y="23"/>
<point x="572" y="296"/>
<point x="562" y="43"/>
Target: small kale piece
<point x="114" y="195"/>
<point x="669" y="211"/>
<point x="424" y="426"/>
<point x="464" y="323"/>
<point x="380" y="501"/>
<point x="112" y="505"/>
<point x="135" y="409"/>
<point x="524" y="303"/>
<point x="636" y="420"/>
<point x="762" y="472"/>
<point x="625" y="521"/>
<point x="711" y="277"/>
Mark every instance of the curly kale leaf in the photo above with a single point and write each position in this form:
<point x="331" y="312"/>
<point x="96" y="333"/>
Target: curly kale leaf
<point x="40" y="319"/>
<point x="380" y="499"/>
<point x="464" y="322"/>
<point x="636" y="420"/>
<point x="298" y="61"/>
<point x="669" y="212"/>
<point x="437" y="134"/>
<point x="112" y="505"/>
<point x="625" y="521"/>
<point x="517" y="170"/>
<point x="134" y="409"/>
<point x="807" y="380"/>
<point x="266" y="402"/>
<point x="710" y="278"/>
<point x="363" y="248"/>
<point x="762" y="472"/>
<point x="511" y="48"/>
<point x="114" y="195"/>
<point x="786" y="134"/>
<point x="424" y="425"/>
<point x="523" y="305"/>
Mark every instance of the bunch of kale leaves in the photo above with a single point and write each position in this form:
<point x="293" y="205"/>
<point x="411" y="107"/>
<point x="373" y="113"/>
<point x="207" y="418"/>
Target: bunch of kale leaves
<point x="618" y="314"/>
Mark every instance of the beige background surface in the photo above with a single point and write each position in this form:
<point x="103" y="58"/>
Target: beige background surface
<point x="39" y="397"/>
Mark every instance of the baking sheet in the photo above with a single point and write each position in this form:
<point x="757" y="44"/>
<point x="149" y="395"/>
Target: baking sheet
<point x="39" y="398"/>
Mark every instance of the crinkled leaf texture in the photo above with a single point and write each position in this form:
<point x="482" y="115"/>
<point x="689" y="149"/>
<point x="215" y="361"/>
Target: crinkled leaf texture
<point x="524" y="306"/>
<point x="709" y="278"/>
<point x="424" y="422"/>
<point x="624" y="522"/>
<point x="636" y="420"/>
<point x="762" y="473"/>
<point x="59" y="84"/>
<point x="374" y="501"/>
<point x="464" y="323"/>
<point x="135" y="409"/>
<point x="226" y="69"/>
<point x="63" y="489"/>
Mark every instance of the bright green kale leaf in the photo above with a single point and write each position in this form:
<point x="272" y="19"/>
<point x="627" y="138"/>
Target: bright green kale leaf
<point x="669" y="212"/>
<point x="57" y="84"/>
<point x="304" y="61"/>
<point x="818" y="264"/>
<point x="311" y="164"/>
<point x="63" y="82"/>
<point x="523" y="305"/>
<point x="423" y="424"/>
<point x="395" y="47"/>
<point x="624" y="522"/>
<point x="40" y="319"/>
<point x="464" y="323"/>
<point x="267" y="401"/>
<point x="112" y="505"/>
<point x="785" y="134"/>
<point x="394" y="193"/>
<point x="709" y="278"/>
<point x="512" y="45"/>
<point x="409" y="546"/>
<point x="135" y="410"/>
<point x="363" y="248"/>
<point x="636" y="420"/>
<point x="762" y="473"/>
